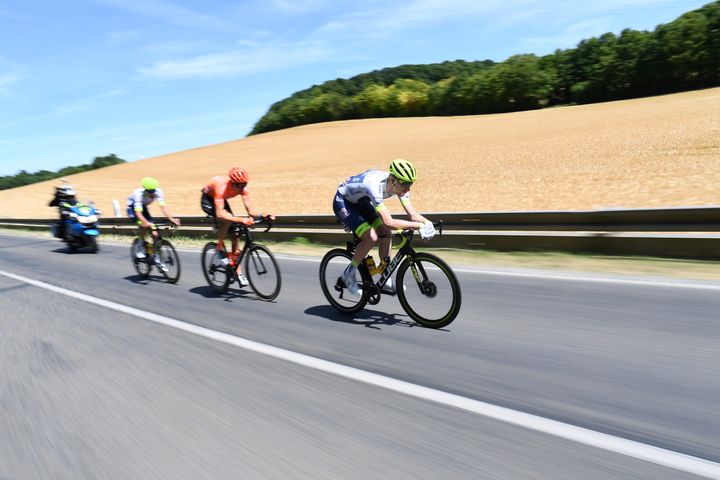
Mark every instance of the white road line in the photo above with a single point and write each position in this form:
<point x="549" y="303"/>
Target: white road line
<point x="649" y="453"/>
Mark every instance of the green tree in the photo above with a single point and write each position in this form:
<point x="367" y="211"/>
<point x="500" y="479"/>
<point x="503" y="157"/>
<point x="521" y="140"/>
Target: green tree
<point x="106" y="161"/>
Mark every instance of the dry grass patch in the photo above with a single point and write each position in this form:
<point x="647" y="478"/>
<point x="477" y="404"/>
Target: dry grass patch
<point x="651" y="152"/>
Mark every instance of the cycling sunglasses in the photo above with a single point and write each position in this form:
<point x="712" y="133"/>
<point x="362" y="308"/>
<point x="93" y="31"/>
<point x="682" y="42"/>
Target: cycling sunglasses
<point x="405" y="184"/>
<point x="238" y="184"/>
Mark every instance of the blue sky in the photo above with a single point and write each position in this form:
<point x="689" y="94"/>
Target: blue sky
<point x="141" y="78"/>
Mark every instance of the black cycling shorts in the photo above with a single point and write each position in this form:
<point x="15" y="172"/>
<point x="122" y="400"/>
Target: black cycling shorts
<point x="207" y="203"/>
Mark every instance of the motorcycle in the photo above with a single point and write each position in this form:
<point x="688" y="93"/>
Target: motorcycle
<point x="80" y="227"/>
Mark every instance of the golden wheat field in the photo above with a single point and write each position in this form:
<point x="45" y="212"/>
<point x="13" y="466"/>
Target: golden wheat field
<point x="652" y="152"/>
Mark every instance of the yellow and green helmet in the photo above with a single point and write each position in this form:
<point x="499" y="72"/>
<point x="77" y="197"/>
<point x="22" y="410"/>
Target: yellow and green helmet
<point x="149" y="183"/>
<point x="403" y="170"/>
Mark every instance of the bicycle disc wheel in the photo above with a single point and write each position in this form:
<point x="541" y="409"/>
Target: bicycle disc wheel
<point x="142" y="266"/>
<point x="332" y="267"/>
<point x="262" y="271"/>
<point x="217" y="276"/>
<point x="431" y="293"/>
<point x="171" y="260"/>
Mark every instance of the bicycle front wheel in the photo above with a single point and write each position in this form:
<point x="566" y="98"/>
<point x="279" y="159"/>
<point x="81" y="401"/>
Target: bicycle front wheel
<point x="142" y="265"/>
<point x="431" y="293"/>
<point x="170" y="260"/>
<point x="262" y="271"/>
<point x="332" y="267"/>
<point x="217" y="275"/>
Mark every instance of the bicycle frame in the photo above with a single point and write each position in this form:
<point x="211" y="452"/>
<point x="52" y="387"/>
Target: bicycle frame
<point x="157" y="227"/>
<point x="238" y="230"/>
<point x="404" y="249"/>
<point x="429" y="283"/>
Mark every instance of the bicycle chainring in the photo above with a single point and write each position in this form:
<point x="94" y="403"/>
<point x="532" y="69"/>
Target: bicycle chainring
<point x="373" y="293"/>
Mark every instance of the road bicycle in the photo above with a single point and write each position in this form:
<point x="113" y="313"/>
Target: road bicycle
<point x="159" y="249"/>
<point x="430" y="294"/>
<point x="258" y="264"/>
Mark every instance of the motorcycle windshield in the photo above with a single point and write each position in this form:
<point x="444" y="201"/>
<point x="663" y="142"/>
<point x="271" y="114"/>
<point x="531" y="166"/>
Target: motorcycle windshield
<point x="83" y="210"/>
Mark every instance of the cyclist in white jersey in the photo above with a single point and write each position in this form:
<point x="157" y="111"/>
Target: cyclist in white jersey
<point x="359" y="205"/>
<point x="137" y="209"/>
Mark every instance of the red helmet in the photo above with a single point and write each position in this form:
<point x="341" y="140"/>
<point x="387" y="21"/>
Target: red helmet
<point x="238" y="175"/>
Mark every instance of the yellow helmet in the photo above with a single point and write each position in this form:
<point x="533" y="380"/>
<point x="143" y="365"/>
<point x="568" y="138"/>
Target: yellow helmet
<point x="149" y="183"/>
<point x="403" y="170"/>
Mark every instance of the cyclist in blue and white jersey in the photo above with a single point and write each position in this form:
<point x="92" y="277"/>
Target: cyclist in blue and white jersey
<point x="359" y="205"/>
<point x="137" y="209"/>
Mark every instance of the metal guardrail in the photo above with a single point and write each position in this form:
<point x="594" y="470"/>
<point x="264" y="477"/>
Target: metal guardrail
<point x="667" y="232"/>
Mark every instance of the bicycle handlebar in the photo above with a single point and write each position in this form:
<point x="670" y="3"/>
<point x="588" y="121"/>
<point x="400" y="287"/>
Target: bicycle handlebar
<point x="438" y="226"/>
<point x="265" y="220"/>
<point x="270" y="222"/>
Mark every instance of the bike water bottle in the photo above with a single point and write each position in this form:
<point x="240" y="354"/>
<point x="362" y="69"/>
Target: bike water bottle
<point x="370" y="264"/>
<point x="148" y="248"/>
<point x="383" y="265"/>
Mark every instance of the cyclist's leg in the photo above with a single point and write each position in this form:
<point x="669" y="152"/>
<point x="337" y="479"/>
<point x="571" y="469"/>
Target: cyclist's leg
<point x="371" y="216"/>
<point x="223" y="227"/>
<point x="150" y="219"/>
<point x="368" y="230"/>
<point x="352" y="218"/>
<point x="140" y="253"/>
<point x="207" y="204"/>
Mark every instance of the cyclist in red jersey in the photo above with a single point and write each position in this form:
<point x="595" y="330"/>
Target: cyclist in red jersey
<point x="214" y="202"/>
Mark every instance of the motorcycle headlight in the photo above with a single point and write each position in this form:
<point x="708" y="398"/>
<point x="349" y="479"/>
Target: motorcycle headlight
<point x="88" y="219"/>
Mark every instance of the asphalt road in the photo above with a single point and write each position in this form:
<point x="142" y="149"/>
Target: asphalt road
<point x="89" y="391"/>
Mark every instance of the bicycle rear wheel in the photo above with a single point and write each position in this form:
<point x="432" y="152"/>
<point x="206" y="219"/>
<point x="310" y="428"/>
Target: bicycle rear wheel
<point x="332" y="267"/>
<point x="218" y="276"/>
<point x="262" y="271"/>
<point x="170" y="259"/>
<point x="142" y="265"/>
<point x="431" y="293"/>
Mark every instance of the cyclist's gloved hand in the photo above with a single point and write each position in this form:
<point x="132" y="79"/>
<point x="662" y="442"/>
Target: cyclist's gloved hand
<point x="247" y="221"/>
<point x="427" y="231"/>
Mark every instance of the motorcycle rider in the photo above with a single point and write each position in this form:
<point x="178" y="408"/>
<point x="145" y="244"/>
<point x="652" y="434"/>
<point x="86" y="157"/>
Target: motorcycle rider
<point x="64" y="199"/>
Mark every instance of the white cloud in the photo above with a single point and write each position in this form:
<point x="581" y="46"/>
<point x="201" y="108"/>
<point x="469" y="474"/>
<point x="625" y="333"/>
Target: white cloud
<point x="240" y="62"/>
<point x="402" y="15"/>
<point x="299" y="6"/>
<point x="7" y="80"/>
<point x="398" y="15"/>
<point x="169" y="12"/>
<point x="186" y="126"/>
<point x="569" y="36"/>
<point x="86" y="103"/>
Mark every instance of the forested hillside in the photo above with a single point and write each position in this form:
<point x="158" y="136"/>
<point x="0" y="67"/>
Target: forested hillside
<point x="677" y="56"/>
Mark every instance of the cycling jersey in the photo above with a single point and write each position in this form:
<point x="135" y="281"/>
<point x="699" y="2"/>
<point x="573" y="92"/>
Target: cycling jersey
<point x="371" y="184"/>
<point x="220" y="188"/>
<point x="141" y="198"/>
